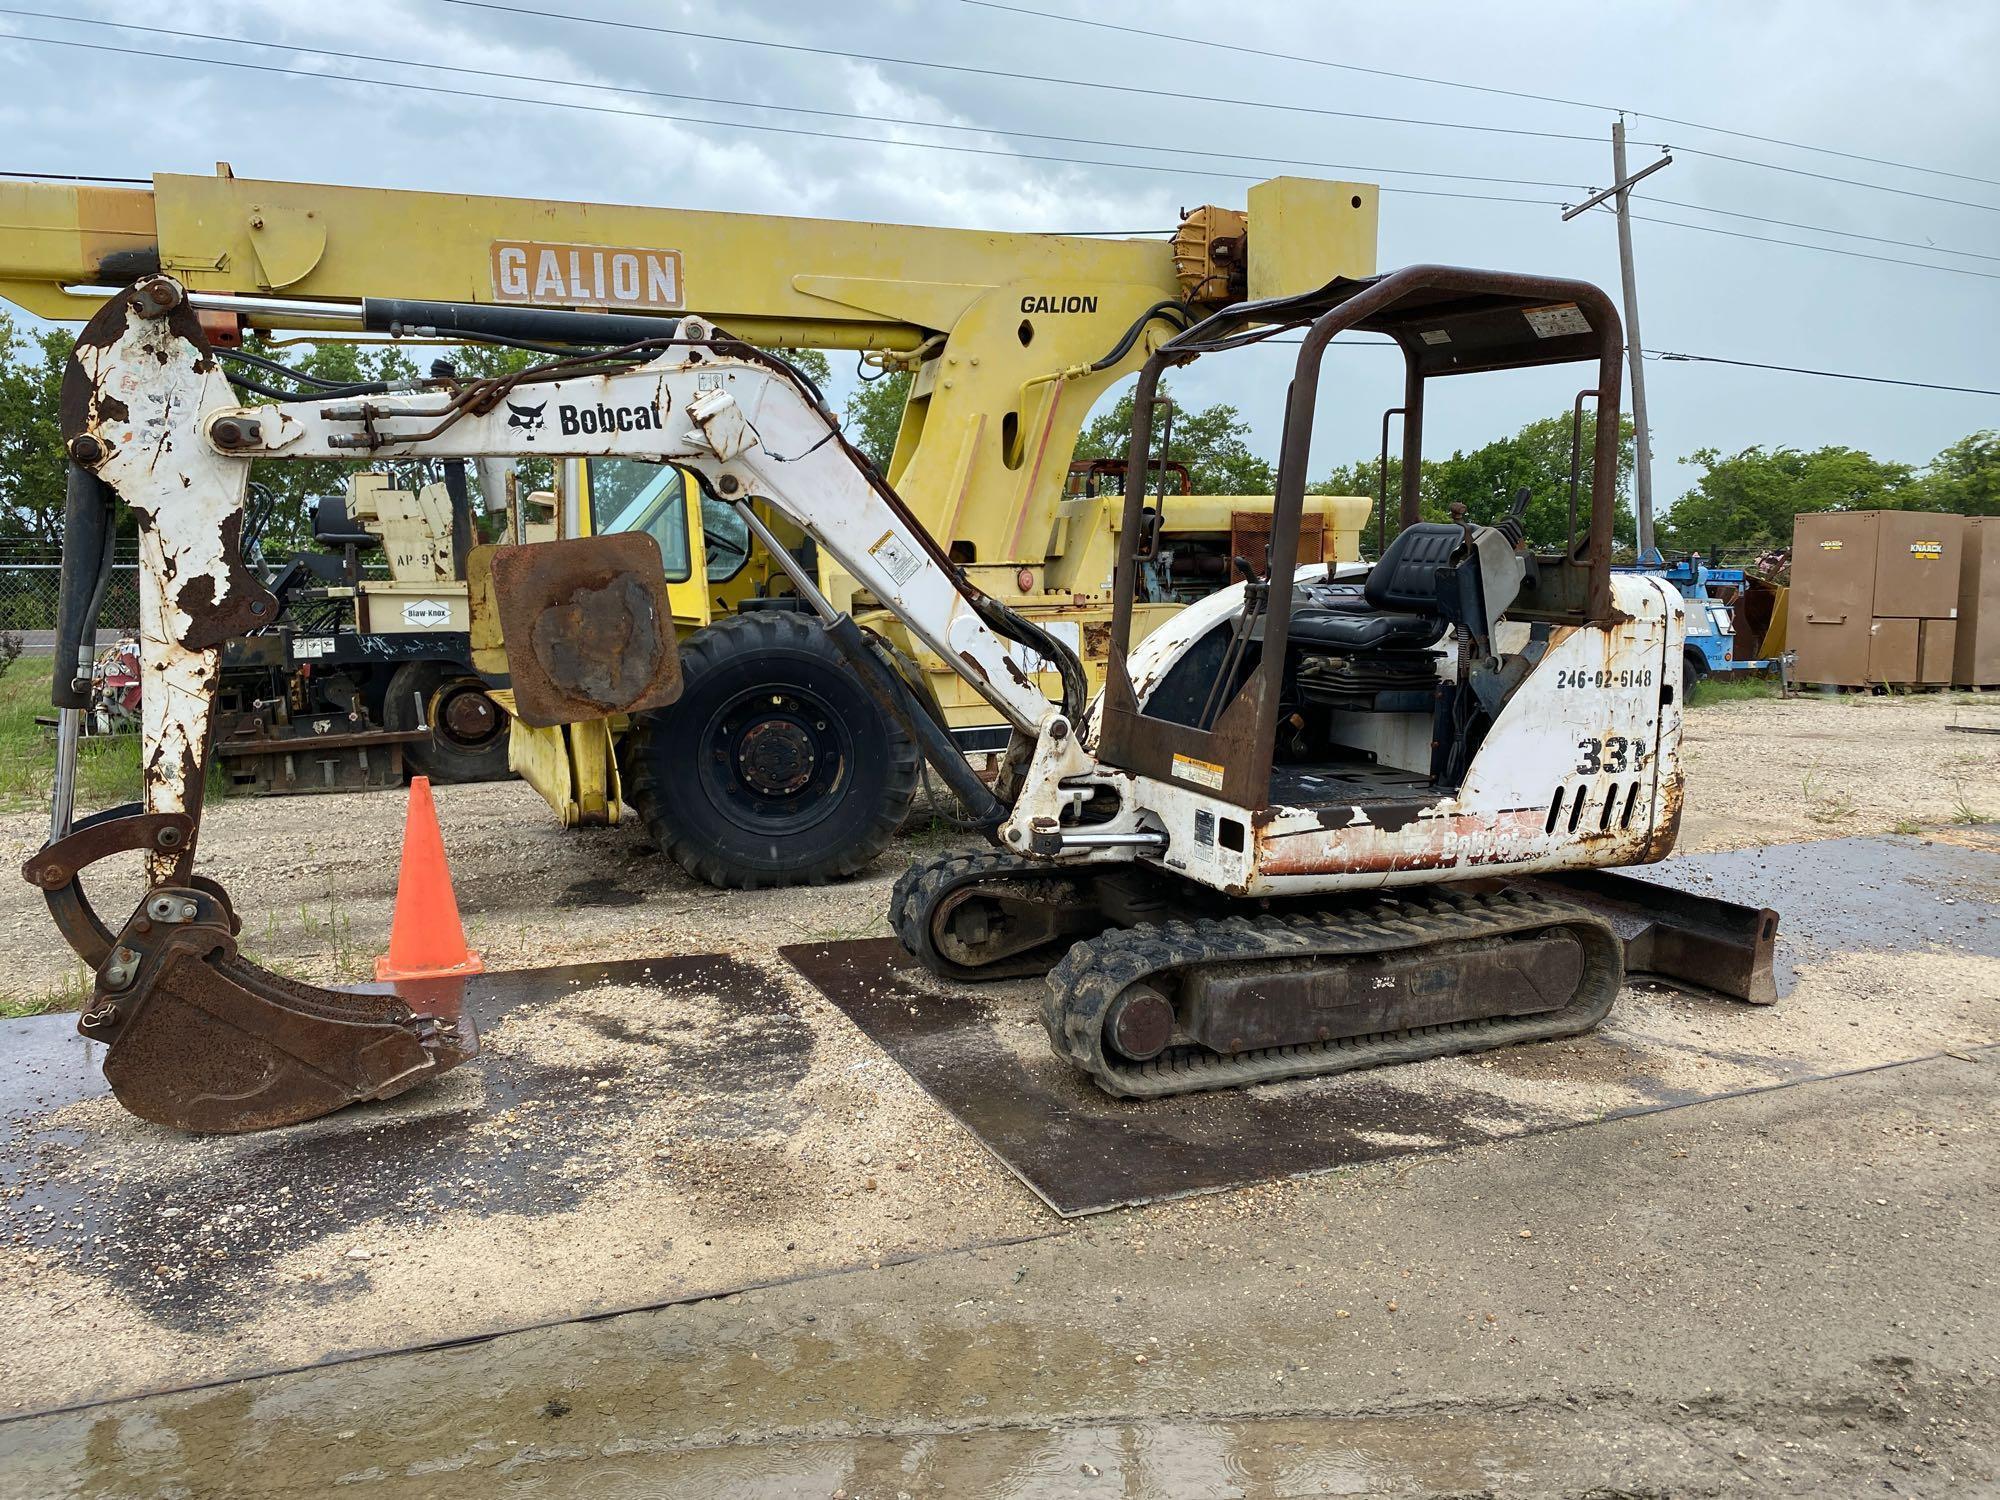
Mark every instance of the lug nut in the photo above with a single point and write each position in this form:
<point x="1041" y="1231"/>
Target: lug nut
<point x="86" y="450"/>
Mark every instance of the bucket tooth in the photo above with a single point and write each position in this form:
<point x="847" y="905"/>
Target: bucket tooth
<point x="202" y="1040"/>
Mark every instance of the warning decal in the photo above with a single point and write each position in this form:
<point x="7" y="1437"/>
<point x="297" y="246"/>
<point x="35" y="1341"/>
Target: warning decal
<point x="896" y="557"/>
<point x="1202" y="772"/>
<point x="1556" y="320"/>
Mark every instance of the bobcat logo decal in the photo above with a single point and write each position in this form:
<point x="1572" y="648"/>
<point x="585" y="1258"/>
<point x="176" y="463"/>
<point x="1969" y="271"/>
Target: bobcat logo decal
<point x="528" y="418"/>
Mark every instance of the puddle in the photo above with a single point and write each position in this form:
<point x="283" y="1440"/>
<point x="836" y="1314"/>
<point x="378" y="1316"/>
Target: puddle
<point x="755" y="1424"/>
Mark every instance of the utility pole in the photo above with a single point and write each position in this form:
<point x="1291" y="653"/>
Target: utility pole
<point x="1621" y="189"/>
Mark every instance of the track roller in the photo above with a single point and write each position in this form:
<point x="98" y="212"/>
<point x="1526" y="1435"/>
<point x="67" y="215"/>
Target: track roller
<point x="1227" y="1002"/>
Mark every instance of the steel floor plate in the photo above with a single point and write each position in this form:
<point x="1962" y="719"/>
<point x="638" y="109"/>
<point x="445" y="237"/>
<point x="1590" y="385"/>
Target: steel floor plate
<point x="981" y="1052"/>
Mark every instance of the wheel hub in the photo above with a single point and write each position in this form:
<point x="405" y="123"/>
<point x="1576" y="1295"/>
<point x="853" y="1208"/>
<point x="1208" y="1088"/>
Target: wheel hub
<point x="1140" y="1023"/>
<point x="469" y="717"/>
<point x="776" y="757"/>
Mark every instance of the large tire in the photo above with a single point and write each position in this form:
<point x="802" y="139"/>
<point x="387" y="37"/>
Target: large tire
<point x="468" y="738"/>
<point x="1694" y="667"/>
<point x="774" y="767"/>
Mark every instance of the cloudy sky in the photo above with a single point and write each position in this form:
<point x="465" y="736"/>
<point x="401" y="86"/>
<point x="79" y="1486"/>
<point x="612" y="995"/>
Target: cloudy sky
<point x="1906" y="85"/>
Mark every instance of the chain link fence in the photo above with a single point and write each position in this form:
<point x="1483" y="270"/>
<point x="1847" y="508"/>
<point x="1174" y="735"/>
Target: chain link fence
<point x="30" y="579"/>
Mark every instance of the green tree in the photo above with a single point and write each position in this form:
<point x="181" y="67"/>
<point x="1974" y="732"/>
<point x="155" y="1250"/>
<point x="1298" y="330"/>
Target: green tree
<point x="1748" y="499"/>
<point x="1212" y="443"/>
<point x="1964" y="478"/>
<point x="874" y="413"/>
<point x="32" y="462"/>
<point x="1486" y="479"/>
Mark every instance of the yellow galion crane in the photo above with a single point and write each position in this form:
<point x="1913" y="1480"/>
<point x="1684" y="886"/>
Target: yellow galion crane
<point x="775" y="765"/>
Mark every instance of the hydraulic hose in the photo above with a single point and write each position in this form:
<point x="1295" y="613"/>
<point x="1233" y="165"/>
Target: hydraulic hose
<point x="89" y="536"/>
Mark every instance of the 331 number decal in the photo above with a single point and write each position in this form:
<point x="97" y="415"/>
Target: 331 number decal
<point x="1610" y="755"/>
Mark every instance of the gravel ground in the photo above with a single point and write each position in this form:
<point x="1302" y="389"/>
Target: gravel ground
<point x="1784" y="1294"/>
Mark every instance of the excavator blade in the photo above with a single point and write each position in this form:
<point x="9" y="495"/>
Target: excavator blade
<point x="203" y="1040"/>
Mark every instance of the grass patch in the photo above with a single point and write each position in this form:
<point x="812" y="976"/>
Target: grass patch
<point x="71" y="992"/>
<point x="107" y="768"/>
<point x="1713" y="690"/>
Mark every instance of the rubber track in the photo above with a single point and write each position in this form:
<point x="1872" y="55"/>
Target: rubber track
<point x="923" y="887"/>
<point x="1097" y="970"/>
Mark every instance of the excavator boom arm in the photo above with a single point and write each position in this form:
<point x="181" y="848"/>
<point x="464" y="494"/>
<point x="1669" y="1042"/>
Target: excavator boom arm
<point x="149" y="417"/>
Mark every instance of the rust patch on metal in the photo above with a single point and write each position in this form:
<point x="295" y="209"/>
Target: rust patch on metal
<point x="587" y="627"/>
<point x="1460" y="841"/>
<point x="1667" y="830"/>
<point x="200" y="1040"/>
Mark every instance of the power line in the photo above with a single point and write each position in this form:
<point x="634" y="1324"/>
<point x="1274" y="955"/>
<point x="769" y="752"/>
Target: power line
<point x="1705" y="359"/>
<point x="613" y="88"/>
<point x="71" y="176"/>
<point x="1214" y="45"/>
<point x="1873" y="187"/>
<point x="1764" y="239"/>
<point x="407" y="86"/>
<point x="1095" y="85"/>
<point x="1102" y="86"/>
<point x="701" y="122"/>
<point x="1703" y="208"/>
<point x="1772" y="140"/>
<point x="1751" y="364"/>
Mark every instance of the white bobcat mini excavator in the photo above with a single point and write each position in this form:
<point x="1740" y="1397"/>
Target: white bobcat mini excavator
<point x="1309" y="825"/>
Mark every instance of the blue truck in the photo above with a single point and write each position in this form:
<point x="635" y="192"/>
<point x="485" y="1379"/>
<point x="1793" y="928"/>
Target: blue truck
<point x="1711" y="595"/>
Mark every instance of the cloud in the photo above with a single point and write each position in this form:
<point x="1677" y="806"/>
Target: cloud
<point x="1812" y="70"/>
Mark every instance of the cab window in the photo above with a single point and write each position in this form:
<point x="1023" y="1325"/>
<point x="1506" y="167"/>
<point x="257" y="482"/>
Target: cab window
<point x="628" y="494"/>
<point x="725" y="538"/>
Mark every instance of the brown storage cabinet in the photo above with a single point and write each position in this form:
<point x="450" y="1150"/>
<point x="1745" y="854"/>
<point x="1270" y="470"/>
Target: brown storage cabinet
<point x="1936" y="640"/>
<point x="1875" y="597"/>
<point x="1976" y="657"/>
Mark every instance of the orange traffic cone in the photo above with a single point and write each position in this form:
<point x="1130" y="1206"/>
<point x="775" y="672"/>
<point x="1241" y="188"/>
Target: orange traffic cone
<point x="426" y="939"/>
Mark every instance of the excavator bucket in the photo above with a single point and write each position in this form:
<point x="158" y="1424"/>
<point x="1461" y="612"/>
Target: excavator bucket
<point x="202" y="1040"/>
<point x="221" y="1046"/>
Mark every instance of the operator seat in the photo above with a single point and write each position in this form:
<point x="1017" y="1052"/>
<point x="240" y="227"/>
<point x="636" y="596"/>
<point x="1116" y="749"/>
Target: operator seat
<point x="334" y="527"/>
<point x="1394" y="609"/>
